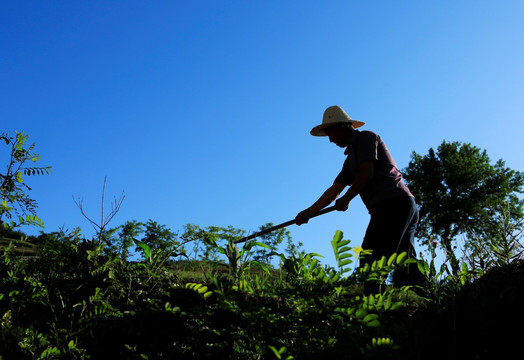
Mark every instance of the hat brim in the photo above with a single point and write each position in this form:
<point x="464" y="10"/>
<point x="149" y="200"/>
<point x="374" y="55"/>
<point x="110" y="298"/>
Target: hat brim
<point x="319" y="129"/>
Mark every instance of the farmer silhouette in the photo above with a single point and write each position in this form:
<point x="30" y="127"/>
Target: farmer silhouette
<point x="370" y="171"/>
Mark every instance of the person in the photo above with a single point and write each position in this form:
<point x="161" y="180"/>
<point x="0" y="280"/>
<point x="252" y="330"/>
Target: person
<point x="370" y="171"/>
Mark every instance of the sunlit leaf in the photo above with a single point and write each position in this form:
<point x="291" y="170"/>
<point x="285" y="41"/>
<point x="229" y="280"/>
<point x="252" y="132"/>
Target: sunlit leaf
<point x="401" y="257"/>
<point x="392" y="259"/>
<point x="144" y="247"/>
<point x="361" y="312"/>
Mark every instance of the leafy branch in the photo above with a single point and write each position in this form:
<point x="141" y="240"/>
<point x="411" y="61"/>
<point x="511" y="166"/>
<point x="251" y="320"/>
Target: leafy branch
<point x="13" y="197"/>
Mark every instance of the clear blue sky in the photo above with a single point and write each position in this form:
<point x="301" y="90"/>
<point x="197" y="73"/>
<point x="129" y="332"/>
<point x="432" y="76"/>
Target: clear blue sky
<point x="201" y="110"/>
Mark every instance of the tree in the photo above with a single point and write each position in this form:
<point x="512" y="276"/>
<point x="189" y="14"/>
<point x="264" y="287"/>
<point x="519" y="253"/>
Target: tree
<point x="459" y="192"/>
<point x="13" y="189"/>
<point x="128" y="235"/>
<point x="158" y="236"/>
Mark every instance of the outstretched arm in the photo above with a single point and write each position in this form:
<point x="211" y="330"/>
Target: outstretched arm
<point x="324" y="200"/>
<point x="363" y="177"/>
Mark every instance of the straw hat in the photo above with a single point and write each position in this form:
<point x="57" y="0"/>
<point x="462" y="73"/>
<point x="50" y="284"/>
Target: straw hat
<point x="334" y="115"/>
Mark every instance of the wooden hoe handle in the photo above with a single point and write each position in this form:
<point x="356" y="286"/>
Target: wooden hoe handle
<point x="284" y="224"/>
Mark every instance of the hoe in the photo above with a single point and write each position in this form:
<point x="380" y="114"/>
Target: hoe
<point x="284" y="224"/>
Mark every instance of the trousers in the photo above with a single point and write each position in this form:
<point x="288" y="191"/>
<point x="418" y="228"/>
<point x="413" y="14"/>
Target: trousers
<point x="391" y="230"/>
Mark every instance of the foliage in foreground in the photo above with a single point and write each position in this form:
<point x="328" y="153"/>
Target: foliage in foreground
<point x="64" y="297"/>
<point x="14" y="200"/>
<point x="75" y="301"/>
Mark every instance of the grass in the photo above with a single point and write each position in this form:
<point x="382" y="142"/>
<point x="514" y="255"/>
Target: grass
<point x="20" y="247"/>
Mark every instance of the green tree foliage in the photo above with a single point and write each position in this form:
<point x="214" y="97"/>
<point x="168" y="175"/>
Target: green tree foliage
<point x="15" y="203"/>
<point x="158" y="236"/>
<point x="200" y="240"/>
<point x="460" y="192"/>
<point x="128" y="234"/>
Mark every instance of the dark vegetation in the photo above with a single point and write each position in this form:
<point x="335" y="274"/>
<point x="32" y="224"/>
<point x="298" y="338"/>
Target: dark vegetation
<point x="141" y="291"/>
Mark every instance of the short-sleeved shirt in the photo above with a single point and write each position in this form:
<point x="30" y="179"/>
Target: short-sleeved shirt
<point x="387" y="179"/>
